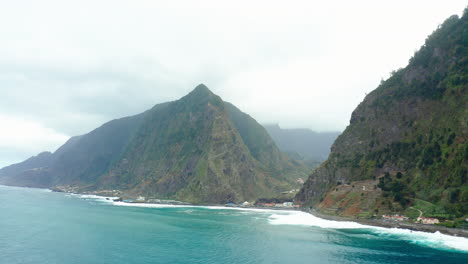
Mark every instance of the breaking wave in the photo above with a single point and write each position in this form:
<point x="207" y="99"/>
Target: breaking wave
<point x="301" y="218"/>
<point x="93" y="197"/>
<point x="285" y="217"/>
<point x="434" y="240"/>
<point x="149" y="205"/>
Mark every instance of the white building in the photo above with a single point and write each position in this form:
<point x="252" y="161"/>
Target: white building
<point x="427" y="220"/>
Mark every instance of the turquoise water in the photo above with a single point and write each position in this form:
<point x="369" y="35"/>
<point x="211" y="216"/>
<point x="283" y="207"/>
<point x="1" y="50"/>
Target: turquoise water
<point x="38" y="226"/>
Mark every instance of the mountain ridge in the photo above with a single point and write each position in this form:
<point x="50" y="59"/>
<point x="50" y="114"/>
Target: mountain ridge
<point x="198" y="149"/>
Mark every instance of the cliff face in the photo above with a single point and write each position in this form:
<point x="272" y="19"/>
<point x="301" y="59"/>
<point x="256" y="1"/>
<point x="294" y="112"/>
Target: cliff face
<point x="198" y="149"/>
<point x="407" y="141"/>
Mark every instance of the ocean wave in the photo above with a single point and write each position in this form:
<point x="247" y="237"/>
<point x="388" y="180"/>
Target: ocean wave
<point x="286" y="217"/>
<point x="94" y="197"/>
<point x="302" y="218"/>
<point x="258" y="210"/>
<point x="434" y="240"/>
<point x="151" y="205"/>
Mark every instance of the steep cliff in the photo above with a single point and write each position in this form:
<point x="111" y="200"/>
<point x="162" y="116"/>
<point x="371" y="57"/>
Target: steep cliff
<point x="407" y="141"/>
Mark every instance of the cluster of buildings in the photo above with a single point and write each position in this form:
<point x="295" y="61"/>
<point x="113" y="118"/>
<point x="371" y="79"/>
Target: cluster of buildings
<point x="142" y="199"/>
<point x="421" y="220"/>
<point x="427" y="220"/>
<point x="264" y="205"/>
<point x="395" y="217"/>
<point x="290" y="191"/>
<point x="278" y="205"/>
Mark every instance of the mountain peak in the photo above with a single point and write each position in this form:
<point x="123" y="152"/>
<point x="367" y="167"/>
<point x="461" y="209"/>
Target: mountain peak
<point x="202" y="89"/>
<point x="200" y="94"/>
<point x="197" y="149"/>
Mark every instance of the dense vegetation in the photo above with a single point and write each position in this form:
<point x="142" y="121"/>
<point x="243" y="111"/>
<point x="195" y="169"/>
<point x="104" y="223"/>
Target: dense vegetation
<point x="198" y="149"/>
<point x="410" y="134"/>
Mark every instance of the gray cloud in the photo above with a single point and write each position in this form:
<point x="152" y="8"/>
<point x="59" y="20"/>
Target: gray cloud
<point x="65" y="68"/>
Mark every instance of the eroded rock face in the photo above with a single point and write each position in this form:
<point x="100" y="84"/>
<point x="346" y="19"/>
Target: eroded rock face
<point x="414" y="123"/>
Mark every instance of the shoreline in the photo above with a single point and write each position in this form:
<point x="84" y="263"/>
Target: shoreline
<point x="455" y="232"/>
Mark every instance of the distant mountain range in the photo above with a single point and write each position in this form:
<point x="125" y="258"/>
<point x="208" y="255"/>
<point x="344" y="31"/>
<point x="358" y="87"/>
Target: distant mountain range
<point x="198" y="149"/>
<point x="308" y="144"/>
<point x="407" y="143"/>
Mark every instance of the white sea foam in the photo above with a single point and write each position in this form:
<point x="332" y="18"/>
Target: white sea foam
<point x="285" y="217"/>
<point x="94" y="197"/>
<point x="435" y="240"/>
<point x="246" y="209"/>
<point x="89" y="196"/>
<point x="301" y="218"/>
<point x="151" y="205"/>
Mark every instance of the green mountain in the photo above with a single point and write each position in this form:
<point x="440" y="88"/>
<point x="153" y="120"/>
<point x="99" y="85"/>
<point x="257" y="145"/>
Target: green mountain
<point x="198" y="149"/>
<point x="406" y="145"/>
<point x="308" y="144"/>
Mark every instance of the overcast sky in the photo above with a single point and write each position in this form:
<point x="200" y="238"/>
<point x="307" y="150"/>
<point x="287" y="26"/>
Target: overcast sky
<point x="66" y="67"/>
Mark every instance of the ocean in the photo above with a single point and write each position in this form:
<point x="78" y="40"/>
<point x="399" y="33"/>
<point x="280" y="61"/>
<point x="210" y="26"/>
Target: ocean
<point x="39" y="226"/>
